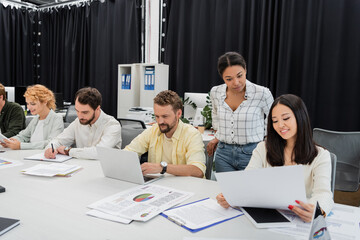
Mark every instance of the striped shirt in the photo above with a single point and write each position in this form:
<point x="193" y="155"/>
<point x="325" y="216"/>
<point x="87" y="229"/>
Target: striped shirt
<point x="247" y="124"/>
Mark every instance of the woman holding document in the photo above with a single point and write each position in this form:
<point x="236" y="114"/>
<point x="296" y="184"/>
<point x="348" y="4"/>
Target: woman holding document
<point x="289" y="142"/>
<point x="44" y="126"/>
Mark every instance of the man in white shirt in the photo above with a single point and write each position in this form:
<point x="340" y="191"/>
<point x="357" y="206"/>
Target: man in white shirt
<point x="92" y="128"/>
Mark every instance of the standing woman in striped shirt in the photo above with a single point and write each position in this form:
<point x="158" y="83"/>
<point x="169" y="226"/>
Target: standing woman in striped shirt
<point x="239" y="114"/>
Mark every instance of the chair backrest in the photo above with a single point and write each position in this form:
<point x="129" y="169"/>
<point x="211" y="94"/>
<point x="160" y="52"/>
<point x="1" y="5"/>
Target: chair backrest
<point x="333" y="172"/>
<point x="128" y="134"/>
<point x="132" y="123"/>
<point x="346" y="147"/>
<point x="70" y="115"/>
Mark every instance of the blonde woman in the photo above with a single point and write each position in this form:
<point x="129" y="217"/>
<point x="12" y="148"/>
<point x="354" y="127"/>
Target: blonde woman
<point x="46" y="124"/>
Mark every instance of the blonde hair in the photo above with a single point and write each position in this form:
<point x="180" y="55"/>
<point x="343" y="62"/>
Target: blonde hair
<point x="42" y="94"/>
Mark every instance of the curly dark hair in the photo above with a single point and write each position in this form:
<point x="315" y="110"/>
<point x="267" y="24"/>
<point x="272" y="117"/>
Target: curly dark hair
<point x="89" y="95"/>
<point x="169" y="97"/>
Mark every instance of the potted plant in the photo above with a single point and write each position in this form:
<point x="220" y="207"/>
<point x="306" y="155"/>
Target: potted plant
<point x="207" y="113"/>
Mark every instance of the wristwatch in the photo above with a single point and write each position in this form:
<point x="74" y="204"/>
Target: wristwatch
<point x="67" y="150"/>
<point x="164" y="166"/>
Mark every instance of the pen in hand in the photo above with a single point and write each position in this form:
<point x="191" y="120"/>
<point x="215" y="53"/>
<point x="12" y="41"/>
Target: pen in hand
<point x="52" y="147"/>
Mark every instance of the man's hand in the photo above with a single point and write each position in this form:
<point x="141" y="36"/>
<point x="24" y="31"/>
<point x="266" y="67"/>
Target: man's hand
<point x="61" y="150"/>
<point x="148" y="168"/>
<point x="211" y="147"/>
<point x="50" y="154"/>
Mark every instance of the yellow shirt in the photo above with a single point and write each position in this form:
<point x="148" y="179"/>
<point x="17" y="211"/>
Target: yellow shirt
<point x="167" y="149"/>
<point x="187" y="145"/>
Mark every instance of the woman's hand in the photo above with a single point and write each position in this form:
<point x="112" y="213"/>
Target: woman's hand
<point x="211" y="147"/>
<point x="305" y="211"/>
<point x="12" y="143"/>
<point x="221" y="200"/>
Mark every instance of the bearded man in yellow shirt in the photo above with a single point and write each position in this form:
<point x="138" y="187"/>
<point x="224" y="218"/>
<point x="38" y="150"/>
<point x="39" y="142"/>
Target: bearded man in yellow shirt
<point x="173" y="146"/>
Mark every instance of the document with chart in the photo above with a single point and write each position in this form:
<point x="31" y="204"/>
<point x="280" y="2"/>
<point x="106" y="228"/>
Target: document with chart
<point x="142" y="202"/>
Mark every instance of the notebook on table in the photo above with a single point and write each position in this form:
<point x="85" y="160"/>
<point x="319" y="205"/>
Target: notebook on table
<point x="7" y="223"/>
<point x="123" y="165"/>
<point x="40" y="157"/>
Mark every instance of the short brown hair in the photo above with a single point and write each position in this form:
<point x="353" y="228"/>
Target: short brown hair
<point x="169" y="97"/>
<point x="42" y="94"/>
<point x="2" y="91"/>
<point x="89" y="95"/>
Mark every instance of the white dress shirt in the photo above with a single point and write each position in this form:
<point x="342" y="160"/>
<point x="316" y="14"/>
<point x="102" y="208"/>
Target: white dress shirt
<point x="105" y="132"/>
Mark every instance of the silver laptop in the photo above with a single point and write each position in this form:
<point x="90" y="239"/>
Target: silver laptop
<point x="123" y="165"/>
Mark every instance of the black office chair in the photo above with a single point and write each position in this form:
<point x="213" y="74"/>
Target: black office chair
<point x="132" y="123"/>
<point x="333" y="171"/>
<point x="128" y="134"/>
<point x="346" y="147"/>
<point x="70" y="115"/>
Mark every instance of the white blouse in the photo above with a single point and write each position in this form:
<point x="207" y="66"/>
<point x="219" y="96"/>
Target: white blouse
<point x="317" y="175"/>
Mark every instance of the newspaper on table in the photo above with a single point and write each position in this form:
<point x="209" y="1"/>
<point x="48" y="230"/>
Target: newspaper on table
<point x="141" y="203"/>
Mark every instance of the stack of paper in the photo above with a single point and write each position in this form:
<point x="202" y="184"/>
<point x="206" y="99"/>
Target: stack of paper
<point x="50" y="170"/>
<point x="140" y="203"/>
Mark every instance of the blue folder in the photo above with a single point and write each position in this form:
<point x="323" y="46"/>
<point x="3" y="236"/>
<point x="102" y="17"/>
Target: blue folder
<point x="202" y="228"/>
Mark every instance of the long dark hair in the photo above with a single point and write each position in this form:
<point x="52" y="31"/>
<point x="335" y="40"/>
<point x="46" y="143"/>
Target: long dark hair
<point x="305" y="148"/>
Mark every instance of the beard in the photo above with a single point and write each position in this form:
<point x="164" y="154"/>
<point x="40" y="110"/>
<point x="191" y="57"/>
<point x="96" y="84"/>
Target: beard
<point x="87" y="122"/>
<point x="165" y="130"/>
<point x="168" y="127"/>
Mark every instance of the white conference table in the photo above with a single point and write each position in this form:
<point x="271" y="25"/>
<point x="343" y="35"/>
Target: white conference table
<point x="54" y="208"/>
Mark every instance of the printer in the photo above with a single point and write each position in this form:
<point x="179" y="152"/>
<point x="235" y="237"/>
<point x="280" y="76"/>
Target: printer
<point x="144" y="114"/>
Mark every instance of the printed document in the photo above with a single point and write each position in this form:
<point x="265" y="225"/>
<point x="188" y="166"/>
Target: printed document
<point x="40" y="156"/>
<point x="142" y="202"/>
<point x="275" y="187"/>
<point x="343" y="223"/>
<point x="50" y="170"/>
<point x="106" y="216"/>
<point x="200" y="214"/>
<point x="6" y="163"/>
<point x="2" y="137"/>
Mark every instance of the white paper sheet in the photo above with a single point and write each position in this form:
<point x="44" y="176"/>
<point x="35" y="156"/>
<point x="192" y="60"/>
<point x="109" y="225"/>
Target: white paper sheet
<point x="7" y="163"/>
<point x="50" y="170"/>
<point x="2" y="137"/>
<point x="102" y="215"/>
<point x="141" y="203"/>
<point x="276" y="187"/>
<point x="343" y="223"/>
<point x="201" y="214"/>
<point x="40" y="157"/>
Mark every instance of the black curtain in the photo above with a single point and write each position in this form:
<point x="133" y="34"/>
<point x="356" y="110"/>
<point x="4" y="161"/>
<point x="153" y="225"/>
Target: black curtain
<point x="82" y="46"/>
<point x="305" y="47"/>
<point x="16" y="46"/>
